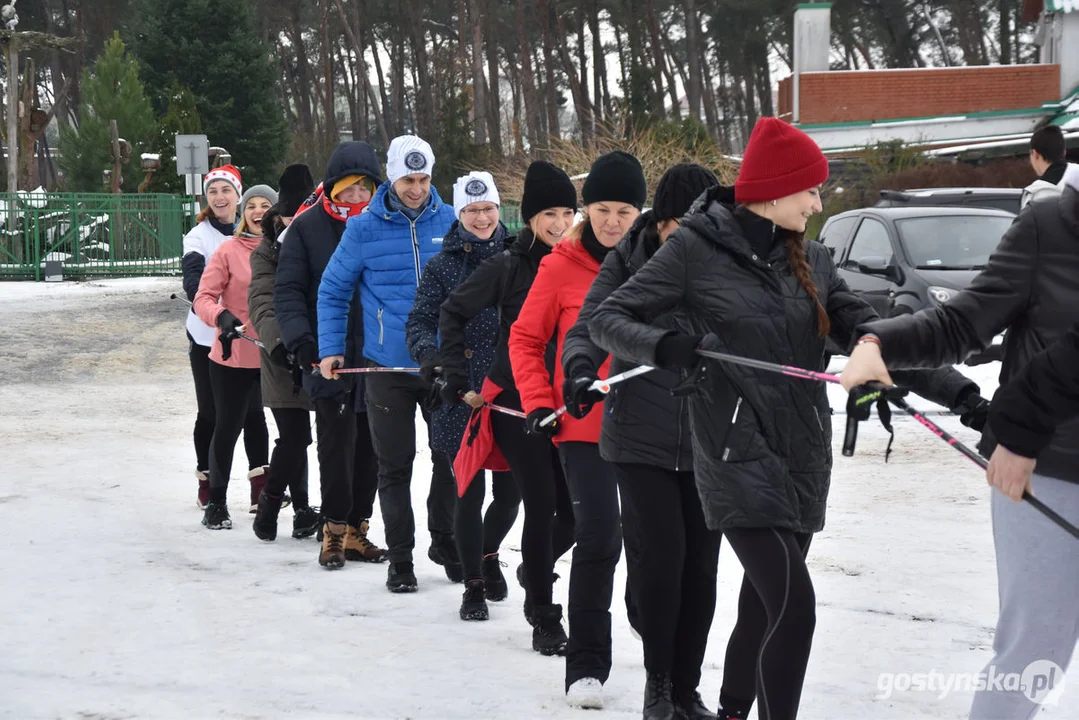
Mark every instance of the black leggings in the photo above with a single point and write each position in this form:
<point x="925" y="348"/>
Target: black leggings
<point x="477" y="533"/>
<point x="671" y="563"/>
<point x="548" y="525"/>
<point x="769" y="646"/>
<point x="288" y="462"/>
<point x="255" y="434"/>
<point x="236" y="392"/>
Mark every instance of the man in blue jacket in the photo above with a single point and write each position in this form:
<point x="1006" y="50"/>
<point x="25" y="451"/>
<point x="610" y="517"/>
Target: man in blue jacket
<point x="384" y="249"/>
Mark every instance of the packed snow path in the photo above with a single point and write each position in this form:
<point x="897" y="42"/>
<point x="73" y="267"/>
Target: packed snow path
<point x="118" y="604"/>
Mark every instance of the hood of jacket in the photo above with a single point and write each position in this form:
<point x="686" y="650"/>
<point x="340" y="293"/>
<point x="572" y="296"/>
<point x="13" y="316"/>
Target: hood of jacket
<point x="249" y="241"/>
<point x="352" y="158"/>
<point x="379" y="205"/>
<point x="576" y="252"/>
<point x="457" y="239"/>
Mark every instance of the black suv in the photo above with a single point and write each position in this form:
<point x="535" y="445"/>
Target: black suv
<point x="997" y="198"/>
<point x="904" y="259"/>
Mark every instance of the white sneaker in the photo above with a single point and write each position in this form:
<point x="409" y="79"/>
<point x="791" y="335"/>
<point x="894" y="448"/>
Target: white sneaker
<point x="586" y="693"/>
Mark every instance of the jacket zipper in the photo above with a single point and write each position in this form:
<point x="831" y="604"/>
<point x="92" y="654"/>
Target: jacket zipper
<point x="734" y="417"/>
<point x="416" y="245"/>
<point x="380" y="328"/>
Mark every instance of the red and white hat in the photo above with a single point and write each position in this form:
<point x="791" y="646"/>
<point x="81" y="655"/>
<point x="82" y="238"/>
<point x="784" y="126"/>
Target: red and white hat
<point x="228" y="173"/>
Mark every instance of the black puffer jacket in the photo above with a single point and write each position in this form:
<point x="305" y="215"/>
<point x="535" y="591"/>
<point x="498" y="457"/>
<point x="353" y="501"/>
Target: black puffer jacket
<point x="762" y="442"/>
<point x="306" y="248"/>
<point x="500" y="282"/>
<point x="642" y="422"/>
<point x="1029" y="288"/>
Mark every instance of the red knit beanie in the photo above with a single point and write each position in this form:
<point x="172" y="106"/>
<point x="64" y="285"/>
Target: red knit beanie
<point x="780" y="160"/>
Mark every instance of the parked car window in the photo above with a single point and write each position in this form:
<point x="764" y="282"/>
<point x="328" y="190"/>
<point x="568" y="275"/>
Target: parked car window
<point x="951" y="242"/>
<point x="835" y="235"/>
<point x="870" y="241"/>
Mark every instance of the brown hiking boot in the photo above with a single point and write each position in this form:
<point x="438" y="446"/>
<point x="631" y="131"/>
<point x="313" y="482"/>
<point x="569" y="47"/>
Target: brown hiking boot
<point x="359" y="549"/>
<point x="332" y="554"/>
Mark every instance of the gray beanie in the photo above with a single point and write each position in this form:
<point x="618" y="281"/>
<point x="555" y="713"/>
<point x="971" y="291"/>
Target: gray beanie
<point x="262" y="191"/>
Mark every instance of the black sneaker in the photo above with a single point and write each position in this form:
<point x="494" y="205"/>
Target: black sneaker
<point x="265" y="524"/>
<point x="473" y="603"/>
<point x="548" y="636"/>
<point x="401" y="578"/>
<point x="216" y="516"/>
<point x="443" y="551"/>
<point x="306" y="521"/>
<point x="497" y="589"/>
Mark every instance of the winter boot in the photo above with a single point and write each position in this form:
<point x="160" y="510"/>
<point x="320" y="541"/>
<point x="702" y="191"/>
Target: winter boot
<point x="692" y="707"/>
<point x="332" y="554"/>
<point x="657" y="698"/>
<point x="216" y="516"/>
<point x="258" y="478"/>
<point x="359" y="549"/>
<point x="474" y="604"/>
<point x="528" y="599"/>
<point x="443" y="552"/>
<point x="265" y="525"/>
<point x="548" y="637"/>
<point x="722" y="714"/>
<point x="204" y="488"/>
<point x="306" y="521"/>
<point x="401" y="578"/>
<point x="497" y="589"/>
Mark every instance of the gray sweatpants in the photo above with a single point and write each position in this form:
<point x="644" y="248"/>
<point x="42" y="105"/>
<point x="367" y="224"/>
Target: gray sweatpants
<point x="1038" y="581"/>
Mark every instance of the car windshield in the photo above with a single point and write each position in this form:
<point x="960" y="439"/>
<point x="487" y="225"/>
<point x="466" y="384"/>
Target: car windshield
<point x="951" y="242"/>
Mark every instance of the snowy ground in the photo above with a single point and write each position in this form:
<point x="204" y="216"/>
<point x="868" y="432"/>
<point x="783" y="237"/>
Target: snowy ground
<point x="118" y="604"/>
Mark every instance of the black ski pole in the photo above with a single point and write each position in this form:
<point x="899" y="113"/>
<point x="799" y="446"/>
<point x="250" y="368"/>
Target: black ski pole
<point x="902" y="405"/>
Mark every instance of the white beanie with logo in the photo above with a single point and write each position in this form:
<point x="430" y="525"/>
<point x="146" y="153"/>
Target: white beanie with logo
<point x="478" y="186"/>
<point x="409" y="155"/>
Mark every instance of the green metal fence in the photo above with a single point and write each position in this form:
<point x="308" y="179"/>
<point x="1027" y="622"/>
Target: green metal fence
<point x="91" y="235"/>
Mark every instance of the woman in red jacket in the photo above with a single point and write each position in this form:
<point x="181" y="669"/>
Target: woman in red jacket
<point x="613" y="195"/>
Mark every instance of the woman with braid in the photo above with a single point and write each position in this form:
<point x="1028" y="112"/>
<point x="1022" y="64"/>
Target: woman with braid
<point x="747" y="284"/>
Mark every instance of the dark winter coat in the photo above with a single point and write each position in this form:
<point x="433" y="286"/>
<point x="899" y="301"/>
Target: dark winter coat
<point x="461" y="254"/>
<point x="1026" y="412"/>
<point x="762" y="442"/>
<point x="306" y="248"/>
<point x="501" y="282"/>
<point x="1030" y="288"/>
<point x="642" y="422"/>
<point x="279" y="389"/>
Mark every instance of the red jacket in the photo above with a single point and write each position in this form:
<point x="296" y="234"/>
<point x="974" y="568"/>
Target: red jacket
<point x="552" y="305"/>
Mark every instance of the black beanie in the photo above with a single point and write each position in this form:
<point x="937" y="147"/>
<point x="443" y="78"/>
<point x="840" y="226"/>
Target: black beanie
<point x="678" y="188"/>
<point x="615" y="177"/>
<point x="546" y="186"/>
<point x="295" y="185"/>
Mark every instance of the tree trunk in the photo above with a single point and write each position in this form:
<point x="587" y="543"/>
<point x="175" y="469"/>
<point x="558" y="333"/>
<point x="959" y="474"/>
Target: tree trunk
<point x="661" y="64"/>
<point x="693" y="85"/>
<point x="515" y="90"/>
<point x="369" y="91"/>
<point x="399" y="81"/>
<point x="550" y="89"/>
<point x="528" y="82"/>
<point x="425" y="108"/>
<point x="494" y="88"/>
<point x="351" y="85"/>
<point x="578" y="91"/>
<point x="479" y="89"/>
<point x="602" y="106"/>
<point x="332" y="136"/>
<point x="679" y="67"/>
<point x="708" y="98"/>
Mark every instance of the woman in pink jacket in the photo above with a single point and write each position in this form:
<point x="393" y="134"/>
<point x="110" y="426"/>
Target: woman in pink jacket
<point x="234" y="361"/>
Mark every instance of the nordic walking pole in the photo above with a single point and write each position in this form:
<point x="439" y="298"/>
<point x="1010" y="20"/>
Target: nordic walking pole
<point x="379" y="369"/>
<point x="902" y="405"/>
<point x="601" y="386"/>
<point x="476" y="401"/>
<point x="248" y="338"/>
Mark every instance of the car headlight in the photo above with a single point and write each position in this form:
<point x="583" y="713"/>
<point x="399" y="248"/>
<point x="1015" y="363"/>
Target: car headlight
<point x="940" y="294"/>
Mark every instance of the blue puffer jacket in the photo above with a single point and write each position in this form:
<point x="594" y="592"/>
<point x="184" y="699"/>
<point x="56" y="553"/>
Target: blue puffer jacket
<point x="462" y="252"/>
<point x="385" y="253"/>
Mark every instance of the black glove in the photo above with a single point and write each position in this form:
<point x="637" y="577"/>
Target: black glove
<point x="676" y="351"/>
<point x="279" y="357"/>
<point x="532" y="422"/>
<point x="972" y="409"/>
<point x="576" y="394"/>
<point x="428" y="366"/>
<point x="230" y="325"/>
<point x="305" y="355"/>
<point x="451" y="387"/>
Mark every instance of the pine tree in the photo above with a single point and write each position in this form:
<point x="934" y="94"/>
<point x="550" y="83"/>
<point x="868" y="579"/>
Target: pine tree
<point x="111" y="91"/>
<point x="181" y="118"/>
<point x="214" y="49"/>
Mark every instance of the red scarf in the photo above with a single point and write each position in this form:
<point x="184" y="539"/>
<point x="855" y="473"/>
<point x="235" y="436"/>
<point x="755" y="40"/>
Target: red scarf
<point x="338" y="211"/>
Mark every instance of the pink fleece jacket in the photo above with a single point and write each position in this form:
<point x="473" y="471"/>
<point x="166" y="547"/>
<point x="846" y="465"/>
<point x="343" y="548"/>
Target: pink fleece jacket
<point x="224" y="287"/>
